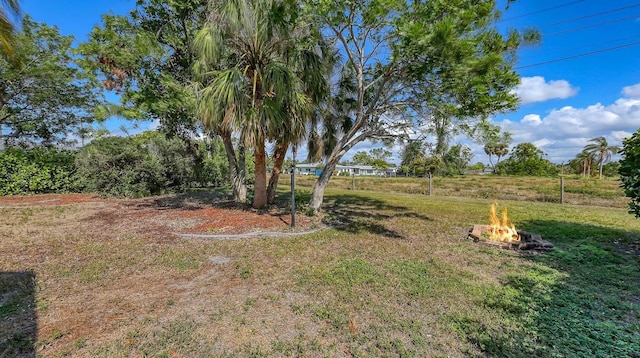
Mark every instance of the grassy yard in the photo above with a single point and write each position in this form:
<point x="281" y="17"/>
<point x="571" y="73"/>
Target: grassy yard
<point x="399" y="278"/>
<point x="578" y="191"/>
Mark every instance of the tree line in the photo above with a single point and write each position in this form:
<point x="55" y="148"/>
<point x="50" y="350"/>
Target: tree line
<point x="279" y="73"/>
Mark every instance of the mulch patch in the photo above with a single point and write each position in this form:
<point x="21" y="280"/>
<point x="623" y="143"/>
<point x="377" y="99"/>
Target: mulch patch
<point x="185" y="216"/>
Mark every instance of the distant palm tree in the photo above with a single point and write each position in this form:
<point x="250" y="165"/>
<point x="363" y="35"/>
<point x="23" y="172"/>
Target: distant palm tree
<point x="7" y="29"/>
<point x="585" y="159"/>
<point x="601" y="151"/>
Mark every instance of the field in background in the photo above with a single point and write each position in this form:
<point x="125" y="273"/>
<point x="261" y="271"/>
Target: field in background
<point x="576" y="190"/>
<point x="399" y="278"/>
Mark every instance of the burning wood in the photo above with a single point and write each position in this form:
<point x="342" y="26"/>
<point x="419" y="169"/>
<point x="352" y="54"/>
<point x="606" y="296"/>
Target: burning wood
<point x="527" y="240"/>
<point x="501" y="230"/>
<point x="502" y="233"/>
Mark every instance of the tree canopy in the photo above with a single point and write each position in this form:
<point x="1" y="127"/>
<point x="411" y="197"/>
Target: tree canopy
<point x="630" y="171"/>
<point x="44" y="96"/>
<point x="526" y="159"/>
<point x="146" y="57"/>
<point x="404" y="59"/>
<point x="256" y="60"/>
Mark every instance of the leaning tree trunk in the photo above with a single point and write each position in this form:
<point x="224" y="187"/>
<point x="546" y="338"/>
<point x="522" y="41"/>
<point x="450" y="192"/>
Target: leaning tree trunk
<point x="321" y="184"/>
<point x="260" y="186"/>
<point x="278" y="161"/>
<point x="237" y="167"/>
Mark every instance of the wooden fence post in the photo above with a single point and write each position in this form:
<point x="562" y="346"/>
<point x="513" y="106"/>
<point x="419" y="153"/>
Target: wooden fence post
<point x="561" y="190"/>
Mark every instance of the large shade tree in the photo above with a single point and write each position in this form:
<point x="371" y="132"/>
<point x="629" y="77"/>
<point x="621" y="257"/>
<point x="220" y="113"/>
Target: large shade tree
<point x="407" y="57"/>
<point x="526" y="159"/>
<point x="146" y="58"/>
<point x="251" y="80"/>
<point x="45" y="97"/>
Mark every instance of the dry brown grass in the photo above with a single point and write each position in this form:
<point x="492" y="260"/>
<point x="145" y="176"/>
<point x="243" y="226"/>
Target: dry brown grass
<point x="398" y="279"/>
<point x="108" y="268"/>
<point x="577" y="191"/>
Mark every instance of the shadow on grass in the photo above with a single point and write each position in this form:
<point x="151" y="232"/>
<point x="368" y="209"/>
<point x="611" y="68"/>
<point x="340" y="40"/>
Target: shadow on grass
<point x="193" y="200"/>
<point x="18" y="319"/>
<point x="582" y="299"/>
<point x="358" y="213"/>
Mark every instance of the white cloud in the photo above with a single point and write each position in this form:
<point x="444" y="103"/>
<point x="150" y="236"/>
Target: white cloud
<point x="537" y="89"/>
<point x="540" y="143"/>
<point x="564" y="132"/>
<point x="532" y="119"/>
<point x="632" y="91"/>
<point x="620" y="135"/>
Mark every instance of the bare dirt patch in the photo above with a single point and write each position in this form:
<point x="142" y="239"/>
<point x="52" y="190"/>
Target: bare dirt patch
<point x="199" y="213"/>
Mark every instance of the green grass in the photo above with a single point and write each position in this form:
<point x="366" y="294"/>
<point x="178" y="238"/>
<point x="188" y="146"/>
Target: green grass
<point x="579" y="300"/>
<point x="398" y="278"/>
<point x="577" y="190"/>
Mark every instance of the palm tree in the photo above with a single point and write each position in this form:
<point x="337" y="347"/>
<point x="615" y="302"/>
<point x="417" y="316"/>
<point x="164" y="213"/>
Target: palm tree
<point x="250" y="87"/>
<point x="584" y="159"/>
<point x="601" y="151"/>
<point x="7" y="29"/>
<point x="310" y="62"/>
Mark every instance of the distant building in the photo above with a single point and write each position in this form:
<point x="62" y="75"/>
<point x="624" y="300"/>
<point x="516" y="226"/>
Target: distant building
<point x="358" y="170"/>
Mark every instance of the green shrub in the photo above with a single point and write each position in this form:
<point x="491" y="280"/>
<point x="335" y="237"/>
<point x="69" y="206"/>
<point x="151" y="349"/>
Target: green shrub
<point x="214" y="168"/>
<point x="630" y="171"/>
<point x="119" y="167"/>
<point x="147" y="164"/>
<point x="37" y="170"/>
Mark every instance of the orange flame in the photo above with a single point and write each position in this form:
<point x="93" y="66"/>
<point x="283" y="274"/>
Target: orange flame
<point x="501" y="229"/>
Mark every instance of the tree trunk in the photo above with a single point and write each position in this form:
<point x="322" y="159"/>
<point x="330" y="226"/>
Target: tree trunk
<point x="321" y="184"/>
<point x="237" y="167"/>
<point x="260" y="186"/>
<point x="278" y="161"/>
<point x="600" y="168"/>
<point x="240" y="181"/>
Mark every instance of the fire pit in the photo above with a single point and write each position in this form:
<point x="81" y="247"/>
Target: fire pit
<point x="526" y="240"/>
<point x="502" y="233"/>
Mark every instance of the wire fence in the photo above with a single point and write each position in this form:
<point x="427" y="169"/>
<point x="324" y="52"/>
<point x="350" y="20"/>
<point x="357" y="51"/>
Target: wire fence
<point x="561" y="190"/>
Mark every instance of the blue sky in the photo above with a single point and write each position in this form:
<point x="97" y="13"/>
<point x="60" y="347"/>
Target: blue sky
<point x="564" y="103"/>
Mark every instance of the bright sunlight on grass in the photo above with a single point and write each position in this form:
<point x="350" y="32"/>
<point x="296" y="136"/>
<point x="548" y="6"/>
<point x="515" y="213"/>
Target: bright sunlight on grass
<point x="399" y="278"/>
